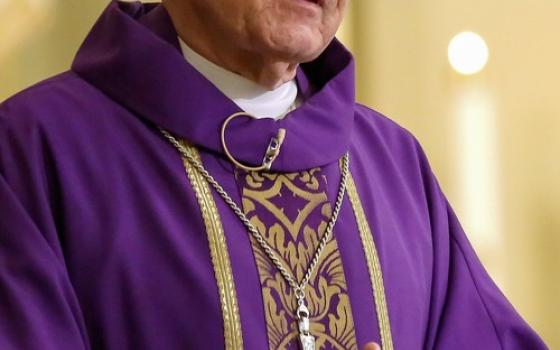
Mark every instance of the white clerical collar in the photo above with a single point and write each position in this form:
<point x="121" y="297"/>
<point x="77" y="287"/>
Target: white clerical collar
<point x="248" y="95"/>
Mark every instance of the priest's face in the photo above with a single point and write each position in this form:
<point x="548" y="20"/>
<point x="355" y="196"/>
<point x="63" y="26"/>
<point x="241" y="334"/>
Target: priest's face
<point x="295" y="30"/>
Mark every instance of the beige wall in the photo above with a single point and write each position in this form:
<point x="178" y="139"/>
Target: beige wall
<point x="38" y="38"/>
<point x="493" y="139"/>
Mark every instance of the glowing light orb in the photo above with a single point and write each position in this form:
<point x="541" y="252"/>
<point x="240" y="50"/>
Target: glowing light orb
<point x="468" y="53"/>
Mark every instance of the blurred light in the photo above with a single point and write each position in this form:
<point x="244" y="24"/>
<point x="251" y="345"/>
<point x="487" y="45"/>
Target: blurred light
<point x="468" y="53"/>
<point x="478" y="166"/>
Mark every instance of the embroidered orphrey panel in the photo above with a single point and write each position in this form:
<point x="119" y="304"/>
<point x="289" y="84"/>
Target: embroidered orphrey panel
<point x="291" y="211"/>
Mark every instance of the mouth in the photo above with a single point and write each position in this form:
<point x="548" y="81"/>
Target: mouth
<point x="313" y="3"/>
<point x="309" y="7"/>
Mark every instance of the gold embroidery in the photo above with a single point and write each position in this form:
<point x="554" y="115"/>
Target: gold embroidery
<point x="294" y="236"/>
<point x="219" y="253"/>
<point x="314" y="199"/>
<point x="327" y="289"/>
<point x="374" y="266"/>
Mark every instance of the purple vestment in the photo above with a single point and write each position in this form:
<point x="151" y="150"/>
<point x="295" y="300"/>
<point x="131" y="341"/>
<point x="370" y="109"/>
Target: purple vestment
<point x="108" y="240"/>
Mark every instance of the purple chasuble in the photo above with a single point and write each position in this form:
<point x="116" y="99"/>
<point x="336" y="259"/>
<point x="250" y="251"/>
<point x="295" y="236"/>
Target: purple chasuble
<point x="110" y="240"/>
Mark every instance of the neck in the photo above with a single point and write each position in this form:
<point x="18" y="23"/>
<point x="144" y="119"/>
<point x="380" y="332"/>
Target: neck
<point x="268" y="72"/>
<point x="249" y="96"/>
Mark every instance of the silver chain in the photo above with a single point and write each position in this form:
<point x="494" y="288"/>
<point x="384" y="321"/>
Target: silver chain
<point x="299" y="289"/>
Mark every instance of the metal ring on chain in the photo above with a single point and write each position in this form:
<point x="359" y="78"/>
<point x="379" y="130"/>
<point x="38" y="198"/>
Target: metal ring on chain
<point x="272" y="151"/>
<point x="299" y="292"/>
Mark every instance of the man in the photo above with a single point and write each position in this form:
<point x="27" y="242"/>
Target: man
<point x="202" y="178"/>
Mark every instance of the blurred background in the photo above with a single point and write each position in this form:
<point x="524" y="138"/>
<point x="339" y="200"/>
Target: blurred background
<point x="485" y="105"/>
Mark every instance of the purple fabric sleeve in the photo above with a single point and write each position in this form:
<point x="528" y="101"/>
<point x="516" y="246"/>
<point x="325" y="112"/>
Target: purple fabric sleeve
<point x="38" y="307"/>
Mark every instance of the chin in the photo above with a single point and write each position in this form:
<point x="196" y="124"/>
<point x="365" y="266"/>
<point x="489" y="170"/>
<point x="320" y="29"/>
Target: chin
<point x="297" y="47"/>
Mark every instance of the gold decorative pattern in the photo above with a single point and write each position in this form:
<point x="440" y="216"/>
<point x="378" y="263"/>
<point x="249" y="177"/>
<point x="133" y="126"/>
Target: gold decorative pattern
<point x="374" y="266"/>
<point x="291" y="211"/>
<point x="219" y="254"/>
<point x="329" y="305"/>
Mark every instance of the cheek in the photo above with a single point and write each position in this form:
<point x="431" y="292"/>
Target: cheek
<point x="335" y="15"/>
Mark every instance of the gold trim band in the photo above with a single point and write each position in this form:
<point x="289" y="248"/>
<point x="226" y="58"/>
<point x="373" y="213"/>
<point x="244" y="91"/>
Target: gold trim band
<point x="219" y="254"/>
<point x="374" y="266"/>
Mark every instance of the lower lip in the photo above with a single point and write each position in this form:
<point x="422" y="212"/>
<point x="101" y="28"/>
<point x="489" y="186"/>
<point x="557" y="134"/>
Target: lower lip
<point x="310" y="3"/>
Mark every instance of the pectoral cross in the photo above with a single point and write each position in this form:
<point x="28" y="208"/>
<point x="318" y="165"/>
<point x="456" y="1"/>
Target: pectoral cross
<point x="306" y="340"/>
